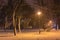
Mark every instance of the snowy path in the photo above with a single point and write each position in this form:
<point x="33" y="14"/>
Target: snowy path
<point x="41" y="36"/>
<point x="53" y="35"/>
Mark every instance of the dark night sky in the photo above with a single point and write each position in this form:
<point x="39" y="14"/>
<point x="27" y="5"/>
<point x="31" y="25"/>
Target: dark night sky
<point x="3" y="2"/>
<point x="32" y="3"/>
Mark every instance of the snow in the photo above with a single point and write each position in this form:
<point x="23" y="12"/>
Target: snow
<point x="52" y="35"/>
<point x="42" y="35"/>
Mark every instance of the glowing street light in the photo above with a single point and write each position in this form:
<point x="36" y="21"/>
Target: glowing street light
<point x="39" y="13"/>
<point x="50" y="21"/>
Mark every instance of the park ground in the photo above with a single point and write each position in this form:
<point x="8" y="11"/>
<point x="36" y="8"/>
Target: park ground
<point x="52" y="35"/>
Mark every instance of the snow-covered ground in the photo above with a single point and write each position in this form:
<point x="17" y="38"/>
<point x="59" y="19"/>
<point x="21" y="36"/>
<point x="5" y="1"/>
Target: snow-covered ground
<point x="52" y="35"/>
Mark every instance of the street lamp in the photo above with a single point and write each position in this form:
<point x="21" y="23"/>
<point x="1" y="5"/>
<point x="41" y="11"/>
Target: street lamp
<point x="39" y="13"/>
<point x="50" y="23"/>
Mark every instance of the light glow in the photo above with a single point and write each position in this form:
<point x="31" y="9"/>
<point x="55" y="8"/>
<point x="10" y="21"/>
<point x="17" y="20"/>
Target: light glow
<point x="39" y="13"/>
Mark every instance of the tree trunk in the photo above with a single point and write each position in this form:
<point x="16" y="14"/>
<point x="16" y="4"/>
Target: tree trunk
<point x="14" y="24"/>
<point x="6" y="23"/>
<point x="19" y="24"/>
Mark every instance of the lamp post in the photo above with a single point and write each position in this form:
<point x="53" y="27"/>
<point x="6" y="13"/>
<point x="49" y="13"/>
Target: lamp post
<point x="39" y="13"/>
